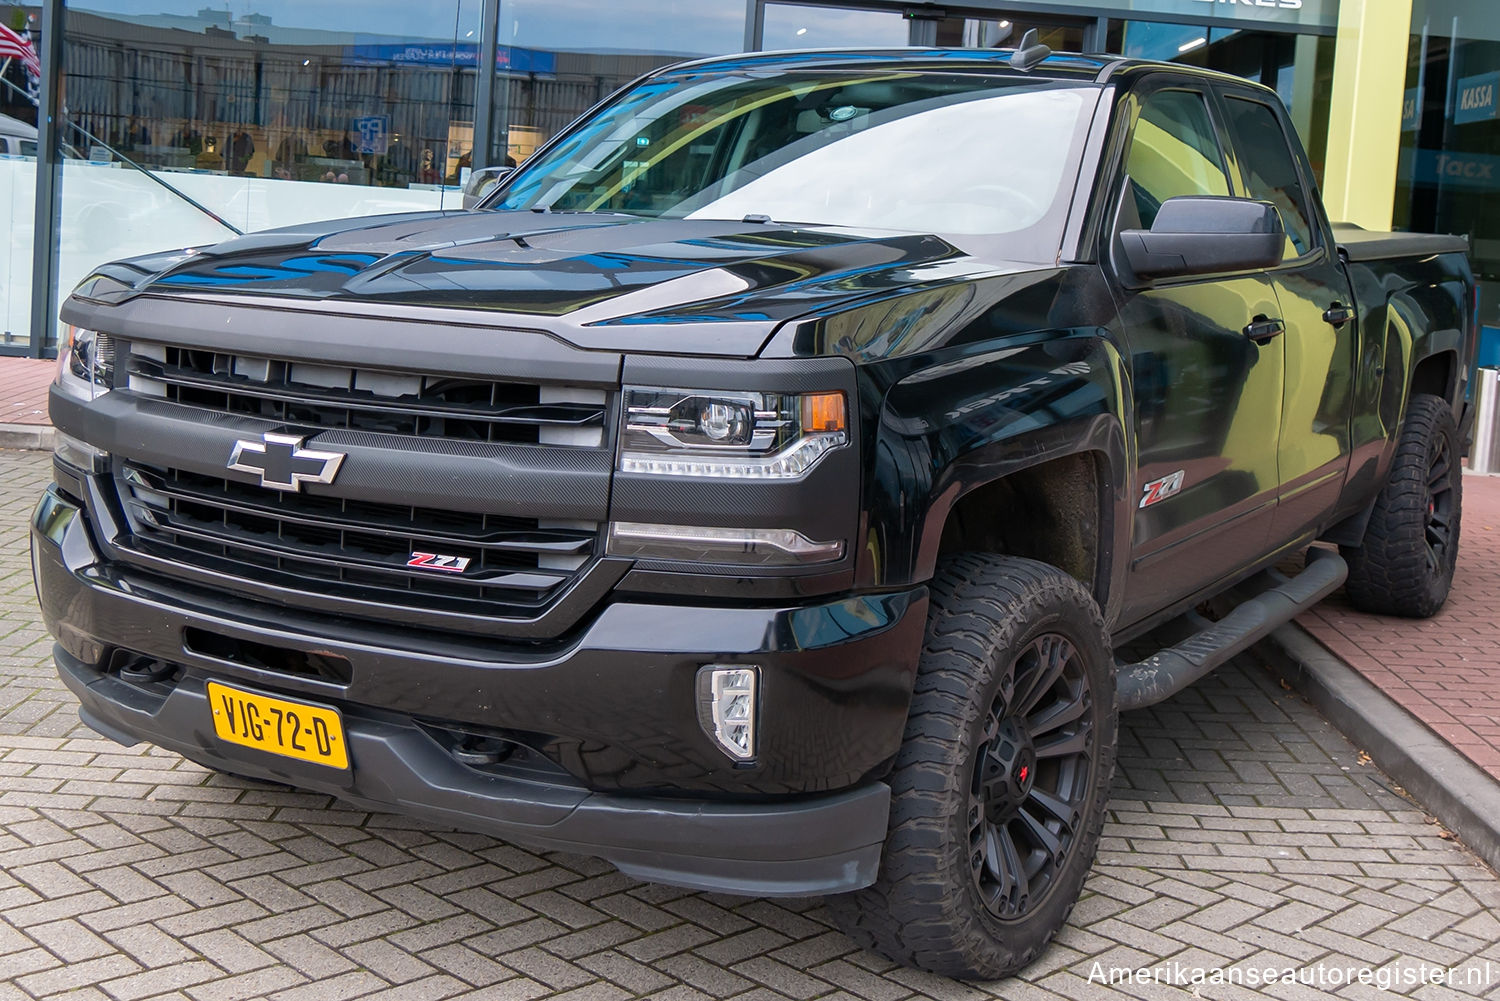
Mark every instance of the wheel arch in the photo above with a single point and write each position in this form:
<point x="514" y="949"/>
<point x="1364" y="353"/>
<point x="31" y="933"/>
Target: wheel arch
<point x="1063" y="503"/>
<point x="1435" y="374"/>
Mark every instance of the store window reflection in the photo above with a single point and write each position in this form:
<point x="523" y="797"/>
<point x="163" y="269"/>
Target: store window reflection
<point x="1449" y="168"/>
<point x="558" y="58"/>
<point x="795" y="26"/>
<point x="294" y="93"/>
<point x="193" y="122"/>
<point x="1298" y="67"/>
<point x="1002" y="30"/>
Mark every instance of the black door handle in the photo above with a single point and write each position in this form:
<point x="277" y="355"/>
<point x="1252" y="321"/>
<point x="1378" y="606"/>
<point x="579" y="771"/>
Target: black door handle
<point x="1262" y="329"/>
<point x="1338" y="314"/>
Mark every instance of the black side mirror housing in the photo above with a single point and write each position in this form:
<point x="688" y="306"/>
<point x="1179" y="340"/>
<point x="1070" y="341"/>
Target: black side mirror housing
<point x="481" y="182"/>
<point x="1201" y="235"/>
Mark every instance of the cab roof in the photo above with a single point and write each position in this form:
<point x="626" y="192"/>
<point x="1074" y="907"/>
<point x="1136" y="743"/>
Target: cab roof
<point x="1080" y="67"/>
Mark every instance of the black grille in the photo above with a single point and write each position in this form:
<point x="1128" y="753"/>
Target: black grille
<point x="334" y="397"/>
<point x="351" y="549"/>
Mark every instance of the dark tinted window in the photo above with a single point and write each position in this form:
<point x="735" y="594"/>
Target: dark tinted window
<point x="1173" y="151"/>
<point x="1269" y="172"/>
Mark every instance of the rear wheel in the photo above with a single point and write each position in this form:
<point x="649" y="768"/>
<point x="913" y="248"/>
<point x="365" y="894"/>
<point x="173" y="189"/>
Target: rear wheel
<point x="1405" y="563"/>
<point x="1000" y="787"/>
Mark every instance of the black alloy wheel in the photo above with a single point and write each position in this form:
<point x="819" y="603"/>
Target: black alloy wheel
<point x="1031" y="773"/>
<point x="1405" y="562"/>
<point x="1441" y="503"/>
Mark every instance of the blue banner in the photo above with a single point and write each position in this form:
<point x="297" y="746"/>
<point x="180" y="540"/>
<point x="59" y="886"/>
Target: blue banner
<point x="1411" y="110"/>
<point x="464" y="56"/>
<point x="1475" y="101"/>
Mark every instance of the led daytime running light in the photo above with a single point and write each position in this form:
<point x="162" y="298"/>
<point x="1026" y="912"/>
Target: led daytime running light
<point x="786" y="540"/>
<point x="794" y="461"/>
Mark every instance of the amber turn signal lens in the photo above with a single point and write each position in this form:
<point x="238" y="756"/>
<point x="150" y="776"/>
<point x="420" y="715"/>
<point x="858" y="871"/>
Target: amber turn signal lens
<point x="823" y="412"/>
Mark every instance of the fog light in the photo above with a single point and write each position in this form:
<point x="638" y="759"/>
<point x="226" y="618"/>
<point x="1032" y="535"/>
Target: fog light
<point x="727" y="707"/>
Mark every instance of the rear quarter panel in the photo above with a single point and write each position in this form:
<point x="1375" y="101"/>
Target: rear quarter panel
<point x="1410" y="310"/>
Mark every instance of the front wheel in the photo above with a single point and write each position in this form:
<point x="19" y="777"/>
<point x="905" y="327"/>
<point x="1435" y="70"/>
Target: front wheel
<point x="1405" y="563"/>
<point x="999" y="790"/>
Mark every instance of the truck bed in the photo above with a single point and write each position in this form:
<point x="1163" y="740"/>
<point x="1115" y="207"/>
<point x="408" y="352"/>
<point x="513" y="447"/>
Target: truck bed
<point x="1358" y="244"/>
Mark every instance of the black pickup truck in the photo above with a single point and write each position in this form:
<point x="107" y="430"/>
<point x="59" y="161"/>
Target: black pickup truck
<point x="755" y="488"/>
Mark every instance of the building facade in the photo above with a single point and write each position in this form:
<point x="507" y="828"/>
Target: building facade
<point x="197" y="122"/>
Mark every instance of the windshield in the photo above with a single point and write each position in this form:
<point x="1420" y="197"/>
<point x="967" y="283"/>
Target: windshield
<point x="927" y="152"/>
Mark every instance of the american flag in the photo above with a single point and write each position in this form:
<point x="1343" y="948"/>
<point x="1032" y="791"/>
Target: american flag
<point x="17" y="46"/>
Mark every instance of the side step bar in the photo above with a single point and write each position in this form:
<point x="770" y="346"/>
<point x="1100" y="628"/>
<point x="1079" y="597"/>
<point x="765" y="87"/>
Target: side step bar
<point x="1169" y="671"/>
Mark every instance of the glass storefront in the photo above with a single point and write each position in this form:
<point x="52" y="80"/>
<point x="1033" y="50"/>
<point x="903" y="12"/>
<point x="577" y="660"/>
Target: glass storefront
<point x="585" y="51"/>
<point x="190" y="122"/>
<point x="802" y="26"/>
<point x="1299" y="67"/>
<point x="1008" y="27"/>
<point x="295" y="95"/>
<point x="1449" y="168"/>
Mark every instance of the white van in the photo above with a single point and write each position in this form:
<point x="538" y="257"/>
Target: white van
<point x="16" y="137"/>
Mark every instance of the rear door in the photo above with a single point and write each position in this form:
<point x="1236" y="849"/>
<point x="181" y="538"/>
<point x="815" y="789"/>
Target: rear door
<point x="1207" y="398"/>
<point x="1320" y="337"/>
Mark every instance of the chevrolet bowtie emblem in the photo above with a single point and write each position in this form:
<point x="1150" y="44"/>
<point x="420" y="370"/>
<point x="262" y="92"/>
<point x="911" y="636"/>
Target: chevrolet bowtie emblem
<point x="282" y="463"/>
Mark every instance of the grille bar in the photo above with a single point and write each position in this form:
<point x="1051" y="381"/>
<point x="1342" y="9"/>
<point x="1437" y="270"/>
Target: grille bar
<point x="353" y="549"/>
<point x="570" y="414"/>
<point x="347" y="559"/>
<point x="180" y="488"/>
<point x="343" y="398"/>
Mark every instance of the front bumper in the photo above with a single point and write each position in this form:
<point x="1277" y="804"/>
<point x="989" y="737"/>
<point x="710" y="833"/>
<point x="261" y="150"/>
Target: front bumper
<point x="837" y="681"/>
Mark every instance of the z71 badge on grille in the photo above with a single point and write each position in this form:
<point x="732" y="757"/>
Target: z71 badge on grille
<point x="282" y="463"/>
<point x="437" y="561"/>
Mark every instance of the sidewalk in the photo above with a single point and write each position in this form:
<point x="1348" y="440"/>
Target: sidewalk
<point x="23" y="402"/>
<point x="1445" y="670"/>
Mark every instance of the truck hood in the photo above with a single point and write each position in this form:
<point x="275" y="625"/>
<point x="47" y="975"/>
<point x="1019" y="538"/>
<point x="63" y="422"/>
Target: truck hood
<point x="600" y="281"/>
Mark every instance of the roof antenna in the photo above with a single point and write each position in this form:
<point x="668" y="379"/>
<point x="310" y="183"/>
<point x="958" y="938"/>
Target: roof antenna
<point x="1029" y="53"/>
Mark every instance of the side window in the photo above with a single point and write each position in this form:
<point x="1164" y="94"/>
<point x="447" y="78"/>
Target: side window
<point x="1270" y="173"/>
<point x="1173" y="151"/>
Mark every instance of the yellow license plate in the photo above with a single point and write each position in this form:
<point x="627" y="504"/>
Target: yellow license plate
<point x="277" y="726"/>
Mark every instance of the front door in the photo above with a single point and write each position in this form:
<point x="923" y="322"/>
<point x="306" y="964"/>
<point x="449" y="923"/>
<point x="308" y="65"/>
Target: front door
<point x="1207" y="397"/>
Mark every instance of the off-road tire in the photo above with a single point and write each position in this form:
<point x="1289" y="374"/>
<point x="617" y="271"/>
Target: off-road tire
<point x="927" y="908"/>
<point x="1404" y="565"/>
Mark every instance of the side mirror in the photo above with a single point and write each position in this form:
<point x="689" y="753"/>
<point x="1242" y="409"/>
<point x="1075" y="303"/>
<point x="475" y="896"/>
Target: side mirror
<point x="1199" y="235"/>
<point x="481" y="182"/>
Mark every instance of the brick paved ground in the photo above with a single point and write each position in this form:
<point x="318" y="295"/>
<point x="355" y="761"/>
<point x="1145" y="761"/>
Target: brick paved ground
<point x="1243" y="831"/>
<point x="1445" y="670"/>
<point x="23" y="390"/>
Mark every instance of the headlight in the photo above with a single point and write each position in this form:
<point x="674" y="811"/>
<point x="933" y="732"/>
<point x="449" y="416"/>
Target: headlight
<point x="686" y="432"/>
<point x="86" y="363"/>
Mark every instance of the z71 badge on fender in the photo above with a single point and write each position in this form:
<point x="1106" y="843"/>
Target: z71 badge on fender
<point x="1160" y="490"/>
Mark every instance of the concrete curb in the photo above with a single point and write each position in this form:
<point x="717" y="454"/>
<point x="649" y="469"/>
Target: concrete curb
<point x="33" y="436"/>
<point x="1463" y="796"/>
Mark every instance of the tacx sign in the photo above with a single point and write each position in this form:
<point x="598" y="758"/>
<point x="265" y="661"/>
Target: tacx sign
<point x="1433" y="168"/>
